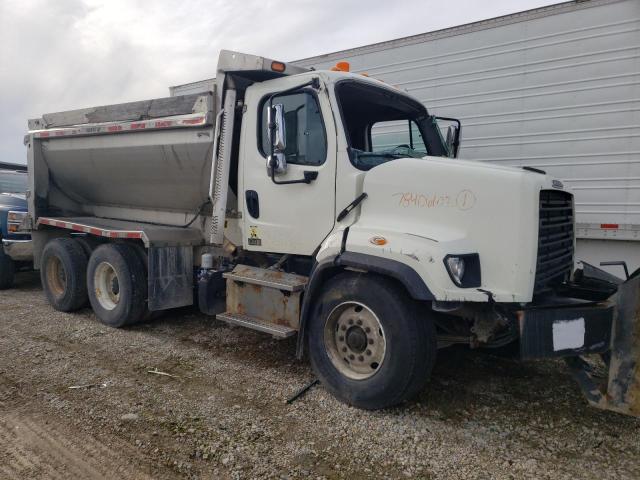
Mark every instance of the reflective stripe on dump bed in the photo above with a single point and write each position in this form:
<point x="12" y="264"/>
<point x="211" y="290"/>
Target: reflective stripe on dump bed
<point x="78" y="227"/>
<point x="184" y="121"/>
<point x="151" y="235"/>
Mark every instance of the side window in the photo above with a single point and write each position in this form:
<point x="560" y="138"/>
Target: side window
<point x="388" y="135"/>
<point x="304" y="130"/>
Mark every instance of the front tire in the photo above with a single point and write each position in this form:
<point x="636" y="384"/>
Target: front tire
<point x="369" y="344"/>
<point x="117" y="284"/>
<point x="63" y="273"/>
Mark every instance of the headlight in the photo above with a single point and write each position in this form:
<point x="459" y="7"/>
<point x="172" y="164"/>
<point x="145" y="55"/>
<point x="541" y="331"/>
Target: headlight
<point x="16" y="217"/>
<point x="456" y="268"/>
<point x="14" y="220"/>
<point x="464" y="269"/>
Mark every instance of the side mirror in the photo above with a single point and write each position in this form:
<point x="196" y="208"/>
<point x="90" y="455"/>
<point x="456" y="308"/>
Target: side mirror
<point x="454" y="128"/>
<point x="275" y="119"/>
<point x="452" y="140"/>
<point x="277" y="138"/>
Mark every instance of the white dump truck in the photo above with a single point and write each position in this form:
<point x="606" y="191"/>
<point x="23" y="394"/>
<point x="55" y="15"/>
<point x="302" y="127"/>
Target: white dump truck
<point x="270" y="191"/>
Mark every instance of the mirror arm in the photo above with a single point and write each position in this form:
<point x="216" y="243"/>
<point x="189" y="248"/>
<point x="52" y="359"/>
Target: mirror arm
<point x="309" y="175"/>
<point x="313" y="83"/>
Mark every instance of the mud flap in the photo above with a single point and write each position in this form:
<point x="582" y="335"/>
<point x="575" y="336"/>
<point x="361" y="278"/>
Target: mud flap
<point x="620" y="390"/>
<point x="170" y="277"/>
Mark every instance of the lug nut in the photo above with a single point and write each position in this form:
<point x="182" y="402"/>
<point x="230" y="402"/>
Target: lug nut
<point x="368" y="352"/>
<point x="352" y="356"/>
<point x="351" y="321"/>
<point x="361" y="358"/>
<point x="343" y="327"/>
<point x="371" y="341"/>
<point x="368" y="330"/>
<point x="359" y="322"/>
<point x="344" y="349"/>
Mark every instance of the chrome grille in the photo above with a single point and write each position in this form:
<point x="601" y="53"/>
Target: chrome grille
<point x="555" y="239"/>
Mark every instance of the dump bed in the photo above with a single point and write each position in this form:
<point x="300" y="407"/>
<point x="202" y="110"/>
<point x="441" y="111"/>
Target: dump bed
<point x="147" y="161"/>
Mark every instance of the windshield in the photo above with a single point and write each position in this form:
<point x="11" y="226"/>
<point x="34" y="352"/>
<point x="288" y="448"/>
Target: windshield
<point x="382" y="125"/>
<point x="13" y="182"/>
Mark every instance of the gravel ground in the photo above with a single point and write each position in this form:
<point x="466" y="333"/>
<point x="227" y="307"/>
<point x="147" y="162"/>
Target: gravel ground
<point x="223" y="413"/>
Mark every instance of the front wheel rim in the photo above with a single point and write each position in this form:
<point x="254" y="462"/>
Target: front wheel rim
<point x="107" y="286"/>
<point x="354" y="340"/>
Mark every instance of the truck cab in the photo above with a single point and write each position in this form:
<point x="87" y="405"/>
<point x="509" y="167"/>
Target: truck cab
<point x="324" y="205"/>
<point x="357" y="135"/>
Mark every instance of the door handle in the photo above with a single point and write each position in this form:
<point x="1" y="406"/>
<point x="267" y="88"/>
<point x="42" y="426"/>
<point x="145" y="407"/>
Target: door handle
<point x="253" y="203"/>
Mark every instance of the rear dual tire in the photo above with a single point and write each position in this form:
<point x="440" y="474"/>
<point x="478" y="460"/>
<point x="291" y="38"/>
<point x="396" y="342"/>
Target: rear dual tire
<point x="117" y="284"/>
<point x="63" y="273"/>
<point x="111" y="277"/>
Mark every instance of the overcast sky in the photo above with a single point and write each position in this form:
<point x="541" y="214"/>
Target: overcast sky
<point x="64" y="54"/>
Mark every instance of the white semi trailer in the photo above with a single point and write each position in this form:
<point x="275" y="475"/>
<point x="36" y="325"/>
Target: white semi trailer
<point x="270" y="190"/>
<point x="554" y="88"/>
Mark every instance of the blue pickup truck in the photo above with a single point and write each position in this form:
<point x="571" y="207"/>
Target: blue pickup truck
<point x="17" y="252"/>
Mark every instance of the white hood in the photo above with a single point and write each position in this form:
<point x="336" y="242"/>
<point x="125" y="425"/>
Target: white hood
<point x="432" y="207"/>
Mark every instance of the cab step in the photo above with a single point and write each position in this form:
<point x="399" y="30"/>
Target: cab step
<point x="286" y="282"/>
<point x="264" y="300"/>
<point x="278" y="331"/>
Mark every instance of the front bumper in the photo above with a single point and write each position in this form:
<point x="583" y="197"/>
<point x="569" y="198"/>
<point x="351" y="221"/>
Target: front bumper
<point x="574" y="328"/>
<point x="609" y="328"/>
<point x="18" y="250"/>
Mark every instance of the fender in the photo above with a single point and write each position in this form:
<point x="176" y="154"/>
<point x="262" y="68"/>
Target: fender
<point x="406" y="275"/>
<point x="331" y="266"/>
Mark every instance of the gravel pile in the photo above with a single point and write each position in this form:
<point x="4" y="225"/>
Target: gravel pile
<point x="221" y="411"/>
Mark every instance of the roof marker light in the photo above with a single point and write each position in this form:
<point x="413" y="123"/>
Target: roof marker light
<point x="341" y="67"/>
<point x="278" y="66"/>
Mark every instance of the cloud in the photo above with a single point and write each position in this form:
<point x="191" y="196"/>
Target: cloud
<point x="61" y="55"/>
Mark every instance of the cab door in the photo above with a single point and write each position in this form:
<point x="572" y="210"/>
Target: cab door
<point x="291" y="218"/>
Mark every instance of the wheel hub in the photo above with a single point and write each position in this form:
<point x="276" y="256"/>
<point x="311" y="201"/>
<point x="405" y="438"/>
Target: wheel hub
<point x="56" y="276"/>
<point x="115" y="287"/>
<point x="354" y="340"/>
<point x="107" y="286"/>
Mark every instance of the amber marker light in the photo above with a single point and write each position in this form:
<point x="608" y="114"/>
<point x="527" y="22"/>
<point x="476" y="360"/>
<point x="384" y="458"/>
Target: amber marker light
<point x="341" y="67"/>
<point x="378" y="240"/>
<point x="277" y="66"/>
